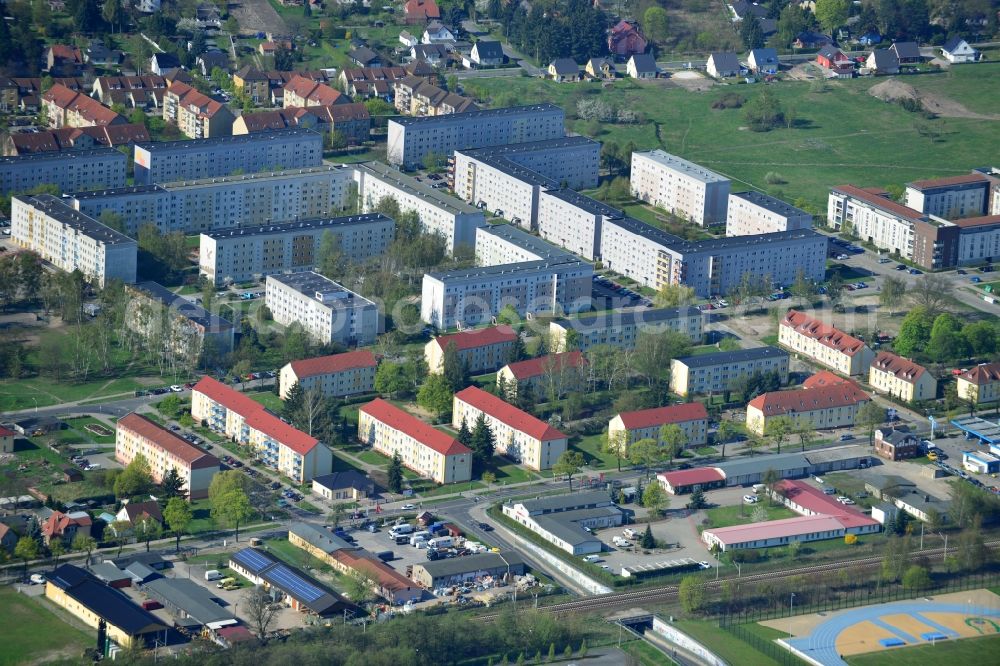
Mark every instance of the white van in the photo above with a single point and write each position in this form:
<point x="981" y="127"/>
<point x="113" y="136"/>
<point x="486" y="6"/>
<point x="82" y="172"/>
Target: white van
<point x="423" y="535"/>
<point x="630" y="533"/>
<point x="441" y="542"/>
<point x="213" y="574"/>
<point x="400" y="530"/>
<point x="591" y="558"/>
<point x="418" y="542"/>
<point x="621" y="542"/>
<point x="759" y="487"/>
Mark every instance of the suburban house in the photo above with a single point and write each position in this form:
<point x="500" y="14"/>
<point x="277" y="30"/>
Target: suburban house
<point x="824" y="344"/>
<point x="63" y="60"/>
<point x="896" y="444"/>
<point x="723" y="64"/>
<point x="516" y="434"/>
<point x="824" y="401"/>
<point x="8" y="538"/>
<point x="135" y="512"/>
<point x="303" y="92"/>
<point x="437" y="33"/>
<point x="562" y="70"/>
<point x="882" y="62"/>
<point x="197" y="115"/>
<point x="432" y="54"/>
<point x="763" y="61"/>
<point x="336" y="375"/>
<point x="481" y="350"/>
<point x="692" y="418"/>
<point x="252" y="84"/>
<point x="208" y="61"/>
<point x="552" y="374"/>
<point x="349" y="486"/>
<point x="164" y="64"/>
<point x="421" y="11"/>
<point x="980" y="384"/>
<point x="365" y="57"/>
<point x="642" y="66"/>
<point x="69" y="108"/>
<point x="487" y="53"/>
<point x="956" y="50"/>
<point x="625" y="40"/>
<point x="907" y="53"/>
<point x="833" y="59"/>
<point x="271" y="47"/>
<point x="901" y="378"/>
<point x="600" y="69"/>
<point x="870" y="38"/>
<point x="65" y="526"/>
<point x="408" y="40"/>
<point x="808" y="39"/>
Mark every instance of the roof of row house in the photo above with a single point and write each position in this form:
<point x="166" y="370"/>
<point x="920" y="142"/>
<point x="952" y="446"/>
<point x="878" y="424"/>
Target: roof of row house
<point x="536" y="367"/>
<point x="144" y="82"/>
<point x="825" y="334"/>
<point x="327" y="365"/>
<point x="168" y="441"/>
<point x="984" y="373"/>
<point x="396" y="418"/>
<point x="776" y="403"/>
<point x="317" y="93"/>
<point x="880" y="199"/>
<point x="65" y="138"/>
<point x="437" y="96"/>
<point x="658" y="416"/>
<point x="87" y="107"/>
<point x="508" y="414"/>
<point x="898" y="366"/>
<point x="106" y="602"/>
<point x="373" y="73"/>
<point x="274" y="119"/>
<point x="479" y="337"/>
<point x="951" y="181"/>
<point x="188" y="96"/>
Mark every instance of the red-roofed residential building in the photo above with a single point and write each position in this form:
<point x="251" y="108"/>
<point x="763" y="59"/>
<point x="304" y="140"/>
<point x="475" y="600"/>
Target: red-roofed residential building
<point x="272" y="441"/>
<point x="74" y="138"/>
<point x="646" y="423"/>
<point x="303" y="92"/>
<point x="421" y="11"/>
<point x="830" y="405"/>
<point x="625" y="39"/>
<point x="425" y="450"/>
<point x="481" y="349"/>
<point x="351" y="120"/>
<point x="824" y="344"/>
<point x="554" y="374"/>
<point x="65" y="526"/>
<point x="7" y="440"/>
<point x="63" y="60"/>
<point x="901" y="378"/>
<point x="69" y="108"/>
<point x="137" y="435"/>
<point x="334" y="376"/>
<point x="197" y="115"/>
<point x="687" y="480"/>
<point x="517" y="434"/>
<point x="980" y="384"/>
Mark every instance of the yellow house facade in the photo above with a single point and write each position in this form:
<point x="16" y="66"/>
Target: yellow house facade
<point x="980" y="384"/>
<point x="824" y="344"/>
<point x="901" y="378"/>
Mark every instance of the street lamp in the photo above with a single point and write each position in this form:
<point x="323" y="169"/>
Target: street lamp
<point x="791" y="611"/>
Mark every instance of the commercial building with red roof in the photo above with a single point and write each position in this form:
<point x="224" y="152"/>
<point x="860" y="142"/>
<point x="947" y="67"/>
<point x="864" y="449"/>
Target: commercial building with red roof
<point x="197" y="115"/>
<point x="422" y="448"/>
<point x="517" y="434"/>
<point x="69" y="108"/>
<point x="686" y="480"/>
<point x="902" y="378"/>
<point x="692" y="418"/>
<point x="821" y="405"/>
<point x="481" y="349"/>
<point x="273" y="442"/>
<point x="337" y="375"/>
<point x="980" y="384"/>
<point x="554" y="374"/>
<point x="824" y="344"/>
<point x="164" y="450"/>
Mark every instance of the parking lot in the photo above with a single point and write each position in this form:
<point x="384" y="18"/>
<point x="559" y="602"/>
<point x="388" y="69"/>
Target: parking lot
<point x="403" y="554"/>
<point x="606" y="295"/>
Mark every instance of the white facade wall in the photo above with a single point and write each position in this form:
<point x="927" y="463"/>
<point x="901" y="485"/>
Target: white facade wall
<point x="761" y="214"/>
<point x="883" y="229"/>
<point x="957" y="202"/>
<point x="565" y="222"/>
<point x="642" y="257"/>
<point x="70" y="171"/>
<point x="342" y="316"/>
<point x="332" y="384"/>
<point x="493" y="189"/>
<point x="976" y="244"/>
<point x="680" y="187"/>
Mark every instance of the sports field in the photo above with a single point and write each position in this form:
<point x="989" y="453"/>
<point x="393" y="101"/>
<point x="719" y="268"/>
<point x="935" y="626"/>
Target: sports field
<point x="973" y="651"/>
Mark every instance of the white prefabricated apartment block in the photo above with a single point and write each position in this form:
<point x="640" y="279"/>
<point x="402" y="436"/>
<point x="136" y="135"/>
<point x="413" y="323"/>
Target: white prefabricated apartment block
<point x="327" y="311"/>
<point x="72" y="241"/>
<point x="752" y="213"/>
<point x="621" y="328"/>
<point x="680" y="187"/>
<point x="69" y="170"/>
<point x="573" y="221"/>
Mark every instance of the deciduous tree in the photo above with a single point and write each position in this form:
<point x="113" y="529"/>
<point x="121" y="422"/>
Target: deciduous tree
<point x="691" y="594"/>
<point x="892" y="294"/>
<point x="436" y="396"/>
<point x="831" y="14"/>
<point x="261" y="610"/>
<point x="654" y="498"/>
<point x="178" y="516"/>
<point x="568" y="465"/>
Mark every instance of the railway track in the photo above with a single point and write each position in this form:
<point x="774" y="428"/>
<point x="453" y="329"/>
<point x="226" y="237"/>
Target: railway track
<point x="669" y="592"/>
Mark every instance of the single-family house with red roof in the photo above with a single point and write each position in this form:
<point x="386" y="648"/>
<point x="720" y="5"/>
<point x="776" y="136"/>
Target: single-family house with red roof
<point x="625" y="39"/>
<point x="833" y="59"/>
<point x="421" y="11"/>
<point x="65" y="526"/>
<point x="7" y="440"/>
<point x="336" y="375"/>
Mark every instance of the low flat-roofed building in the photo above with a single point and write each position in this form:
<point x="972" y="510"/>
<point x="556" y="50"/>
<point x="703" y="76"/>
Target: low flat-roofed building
<point x="481" y="350"/>
<point x="190" y="602"/>
<point x="901" y="378"/>
<point x="317" y="541"/>
<point x="684" y="481"/>
<point x="783" y="532"/>
<point x="561" y="519"/>
<point x="824" y="344"/>
<point x="550" y="376"/>
<point x="691" y="418"/>
<point x="621" y="328"/>
<point x="714" y="373"/>
<point x="111" y="575"/>
<point x="820" y="404"/>
<point x="748" y="471"/>
<point x="979" y="462"/>
<point x="896" y="443"/>
<point x="750" y="213"/>
<point x="328" y="311"/>
<point x="296" y="589"/>
<point x="459" y="570"/>
<point x="336" y="375"/>
<point x="164" y="450"/>
<point x="191" y="329"/>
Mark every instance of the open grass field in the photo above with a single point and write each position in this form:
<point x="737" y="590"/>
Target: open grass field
<point x="726" y="645"/>
<point x="725" y="516"/>
<point x="841" y="135"/>
<point x="28" y="629"/>
<point x="971" y="650"/>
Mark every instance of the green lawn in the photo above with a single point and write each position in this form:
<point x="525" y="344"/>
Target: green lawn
<point x="724" y="516"/>
<point x="843" y="135"/>
<point x="28" y="628"/>
<point x="80" y="423"/>
<point x="724" y="644"/>
<point x="43" y="391"/>
<point x="268" y="399"/>
<point x="973" y="650"/>
<point x="646" y="654"/>
<point x="590" y="447"/>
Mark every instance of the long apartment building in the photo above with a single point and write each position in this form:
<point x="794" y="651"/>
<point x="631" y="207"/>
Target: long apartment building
<point x="70" y="171"/>
<point x="273" y="442"/>
<point x="164" y="450"/>
<point x="621" y="328"/>
<point x="237" y="255"/>
<point x="169" y="161"/>
<point x="751" y="213"/>
<point x="574" y="221"/>
<point x="230" y="202"/>
<point x="411" y="140"/>
<point x="518" y="435"/>
<point x="516" y="269"/>
<point x="190" y="328"/>
<point x="824" y="401"/>
<point x="329" y="312"/>
<point x="426" y="450"/>
<point x="334" y="376"/>
<point x="901" y="378"/>
<point x="480" y="350"/>
<point x="824" y="344"/>
<point x="712" y="267"/>
<point x="630" y="427"/>
<point x="950" y="198"/>
<point x="714" y="373"/>
<point x="680" y="187"/>
<point x="509" y="179"/>
<point x="70" y="240"/>
<point x="440" y="213"/>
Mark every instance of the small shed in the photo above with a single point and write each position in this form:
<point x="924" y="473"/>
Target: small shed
<point x="111" y="575"/>
<point x="72" y="475"/>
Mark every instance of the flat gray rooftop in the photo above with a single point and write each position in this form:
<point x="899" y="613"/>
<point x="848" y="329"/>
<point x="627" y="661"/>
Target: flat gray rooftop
<point x="522" y="239"/>
<point x="408" y="184"/>
<point x="289" y="134"/>
<point x="584" y="202"/>
<point x="314" y="223"/>
<point x="452" y="118"/>
<point x="684" y="166"/>
<point x="770" y="203"/>
<point x="516" y="268"/>
<point x="602" y="320"/>
<point x="58" y="210"/>
<point x="62" y="156"/>
<point x="731" y="357"/>
<point x="182" y="306"/>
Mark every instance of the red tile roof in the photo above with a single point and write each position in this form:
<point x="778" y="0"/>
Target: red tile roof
<point x="985" y="373"/>
<point x="805" y="400"/>
<point x="691" y="477"/>
<point x="396" y="418"/>
<point x="255" y="415"/>
<point x="983" y="221"/>
<point x="905" y="369"/>
<point x="786" y="527"/>
<point x="387" y="578"/>
<point x="951" y="180"/>
<point x="646" y="418"/>
<point x="325" y="365"/>
<point x="66" y="52"/>
<point x="480" y="337"/>
<point x="422" y="9"/>
<point x="316" y="94"/>
<point x="509" y="414"/>
<point x="882" y="202"/>
<point x="88" y="108"/>
<point x="168" y="441"/>
<point x="56" y="524"/>
<point x="188" y="96"/>
<point x="814" y="500"/>
<point x="823" y="378"/>
<point x="6" y="432"/>
<point x="826" y="334"/>
<point x="535" y="367"/>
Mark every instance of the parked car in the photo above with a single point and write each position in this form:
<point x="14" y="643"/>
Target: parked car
<point x="750" y="499"/>
<point x="408" y="507"/>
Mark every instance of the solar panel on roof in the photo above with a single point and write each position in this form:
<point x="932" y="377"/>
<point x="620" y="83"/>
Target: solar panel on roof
<point x="291" y="581"/>
<point x="252" y="559"/>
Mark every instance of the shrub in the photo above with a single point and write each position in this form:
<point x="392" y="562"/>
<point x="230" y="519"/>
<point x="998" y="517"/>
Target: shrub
<point x="729" y="101"/>
<point x="774" y="178"/>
